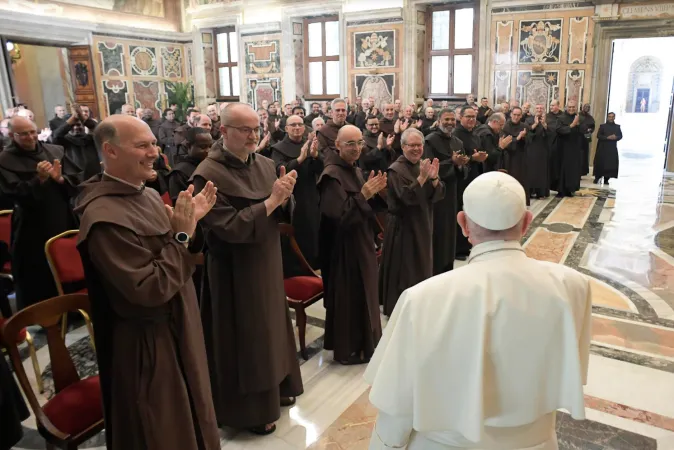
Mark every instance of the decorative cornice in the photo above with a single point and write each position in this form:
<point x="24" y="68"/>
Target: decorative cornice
<point x="259" y="28"/>
<point x="357" y="17"/>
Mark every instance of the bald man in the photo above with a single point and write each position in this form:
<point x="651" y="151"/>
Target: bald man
<point x="32" y="180"/>
<point x="247" y="327"/>
<point x="347" y="251"/>
<point x="138" y="258"/>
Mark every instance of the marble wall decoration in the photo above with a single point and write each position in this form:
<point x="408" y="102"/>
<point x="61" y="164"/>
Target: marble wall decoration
<point x="298" y="49"/>
<point x="172" y="62"/>
<point x="153" y="8"/>
<point x="578" y="30"/>
<point x="575" y="82"/>
<point x="147" y="95"/>
<point x="131" y="71"/>
<point x="537" y="87"/>
<point x="501" y="86"/>
<point x="504" y="42"/>
<point x="111" y="57"/>
<point x="263" y="57"/>
<point x="115" y="94"/>
<point x="374" y="49"/>
<point x="379" y="86"/>
<point x="260" y="89"/>
<point x="421" y="63"/>
<point x="540" y="41"/>
<point x="188" y="57"/>
<point x="143" y="60"/>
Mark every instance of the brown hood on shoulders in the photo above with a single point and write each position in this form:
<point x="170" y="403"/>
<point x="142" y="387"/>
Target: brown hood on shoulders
<point x="349" y="176"/>
<point x="103" y="199"/>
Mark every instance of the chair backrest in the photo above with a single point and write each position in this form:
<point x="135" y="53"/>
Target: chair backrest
<point x="288" y="231"/>
<point x="166" y="198"/>
<point x="6" y="226"/>
<point x="64" y="259"/>
<point x="47" y="314"/>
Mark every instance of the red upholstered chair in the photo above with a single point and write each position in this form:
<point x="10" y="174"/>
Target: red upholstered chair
<point x="166" y="198"/>
<point x="66" y="267"/>
<point x="75" y="413"/>
<point x="303" y="291"/>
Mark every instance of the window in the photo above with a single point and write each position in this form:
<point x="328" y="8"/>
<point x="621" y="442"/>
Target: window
<point x="321" y="58"/>
<point x="452" y="44"/>
<point x="226" y="64"/>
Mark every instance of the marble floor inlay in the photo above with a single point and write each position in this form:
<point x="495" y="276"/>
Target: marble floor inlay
<point x="621" y="235"/>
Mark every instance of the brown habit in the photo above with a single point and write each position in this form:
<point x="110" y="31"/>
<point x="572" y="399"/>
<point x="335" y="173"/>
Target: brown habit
<point x="407" y="258"/>
<point x="348" y="261"/>
<point x="327" y="136"/>
<point x="249" y="335"/>
<point x="149" y="340"/>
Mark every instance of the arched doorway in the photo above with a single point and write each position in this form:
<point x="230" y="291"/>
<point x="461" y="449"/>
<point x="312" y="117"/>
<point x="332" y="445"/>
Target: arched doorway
<point x="643" y="86"/>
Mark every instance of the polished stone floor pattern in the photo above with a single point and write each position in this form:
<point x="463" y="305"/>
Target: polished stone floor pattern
<point x="621" y="235"/>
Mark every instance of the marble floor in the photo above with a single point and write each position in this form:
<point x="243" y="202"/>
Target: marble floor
<point x="621" y="235"/>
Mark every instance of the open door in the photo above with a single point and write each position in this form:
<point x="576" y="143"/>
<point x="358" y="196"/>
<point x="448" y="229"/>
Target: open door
<point x="82" y="76"/>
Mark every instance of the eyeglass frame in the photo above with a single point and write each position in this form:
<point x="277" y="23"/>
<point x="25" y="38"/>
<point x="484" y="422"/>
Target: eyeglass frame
<point x="255" y="131"/>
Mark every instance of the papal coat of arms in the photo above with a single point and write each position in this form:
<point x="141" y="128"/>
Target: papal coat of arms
<point x="540" y="41"/>
<point x="375" y="49"/>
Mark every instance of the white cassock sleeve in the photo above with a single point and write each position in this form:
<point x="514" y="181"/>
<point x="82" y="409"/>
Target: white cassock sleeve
<point x="390" y="432"/>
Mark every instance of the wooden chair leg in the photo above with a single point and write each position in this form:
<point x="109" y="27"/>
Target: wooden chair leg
<point x="301" y="319"/>
<point x="36" y="365"/>
<point x="64" y="325"/>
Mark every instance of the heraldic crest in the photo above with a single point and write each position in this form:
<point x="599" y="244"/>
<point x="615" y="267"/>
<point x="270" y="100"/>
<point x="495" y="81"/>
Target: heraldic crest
<point x="540" y="41"/>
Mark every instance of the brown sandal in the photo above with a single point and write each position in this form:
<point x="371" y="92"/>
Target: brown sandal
<point x="262" y="430"/>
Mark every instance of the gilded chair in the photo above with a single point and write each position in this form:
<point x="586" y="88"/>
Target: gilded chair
<point x="301" y="291"/>
<point x="66" y="268"/>
<point x="75" y="413"/>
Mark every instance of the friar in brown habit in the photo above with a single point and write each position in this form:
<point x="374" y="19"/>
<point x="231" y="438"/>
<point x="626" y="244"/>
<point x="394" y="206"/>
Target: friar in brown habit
<point x="328" y="133"/>
<point x="139" y="256"/>
<point x="413" y="187"/>
<point x="249" y="334"/>
<point x="347" y="253"/>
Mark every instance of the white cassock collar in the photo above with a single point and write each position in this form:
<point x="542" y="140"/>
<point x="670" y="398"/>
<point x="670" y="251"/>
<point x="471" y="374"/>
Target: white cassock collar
<point x="490" y="247"/>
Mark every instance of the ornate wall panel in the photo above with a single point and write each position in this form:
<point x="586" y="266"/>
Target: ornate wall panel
<point x="537" y="87"/>
<point x="504" y="42"/>
<point x="263" y="79"/>
<point x="540" y="41"/>
<point x="575" y="84"/>
<point x="380" y="86"/>
<point x="132" y="71"/>
<point x="375" y="49"/>
<point x="578" y="35"/>
<point x="501" y="86"/>
<point x="209" y="63"/>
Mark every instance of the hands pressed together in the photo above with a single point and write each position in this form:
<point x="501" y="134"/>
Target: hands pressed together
<point x="429" y="170"/>
<point x="282" y="189"/>
<point x="47" y="170"/>
<point x="505" y="141"/>
<point x="374" y="184"/>
<point x="189" y="209"/>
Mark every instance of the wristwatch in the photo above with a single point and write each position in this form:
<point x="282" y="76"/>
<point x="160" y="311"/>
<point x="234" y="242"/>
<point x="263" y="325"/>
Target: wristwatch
<point x="182" y="238"/>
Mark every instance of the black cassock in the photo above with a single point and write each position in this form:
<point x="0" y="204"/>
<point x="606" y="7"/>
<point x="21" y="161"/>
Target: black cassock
<point x="178" y="178"/>
<point x="515" y="155"/>
<point x="80" y="149"/>
<point x="307" y="214"/>
<point x="41" y="211"/>
<point x="441" y="146"/>
<point x="587" y="126"/>
<point x="371" y="158"/>
<point x="13" y="409"/>
<point x="554" y="156"/>
<point x="489" y="143"/>
<point x="473" y="170"/>
<point x="570" y="154"/>
<point x="160" y="184"/>
<point x="606" y="160"/>
<point x="407" y="258"/>
<point x="538" y="159"/>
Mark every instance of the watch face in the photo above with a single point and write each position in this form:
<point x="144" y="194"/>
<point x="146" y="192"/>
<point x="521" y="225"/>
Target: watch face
<point x="182" y="237"/>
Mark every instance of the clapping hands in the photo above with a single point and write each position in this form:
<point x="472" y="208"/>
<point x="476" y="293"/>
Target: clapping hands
<point x="46" y="170"/>
<point x="374" y="184"/>
<point x="428" y="169"/>
<point x="283" y="187"/>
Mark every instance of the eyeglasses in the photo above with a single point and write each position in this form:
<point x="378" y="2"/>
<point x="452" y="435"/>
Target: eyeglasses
<point x="246" y="130"/>
<point x="353" y="144"/>
<point x="469" y="117"/>
<point x="414" y="146"/>
<point x="294" y="125"/>
<point x="26" y="133"/>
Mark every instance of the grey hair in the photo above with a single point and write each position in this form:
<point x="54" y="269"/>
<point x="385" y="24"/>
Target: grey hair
<point x="315" y="121"/>
<point x="337" y="100"/>
<point x="483" y="234"/>
<point x="500" y="117"/>
<point x="497" y="108"/>
<point x="409" y="132"/>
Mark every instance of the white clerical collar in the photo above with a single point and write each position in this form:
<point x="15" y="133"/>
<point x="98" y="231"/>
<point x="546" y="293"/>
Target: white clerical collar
<point x="140" y="188"/>
<point x="494" y="246"/>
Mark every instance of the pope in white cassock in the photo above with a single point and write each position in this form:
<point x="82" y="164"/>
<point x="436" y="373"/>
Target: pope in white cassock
<point x="481" y="357"/>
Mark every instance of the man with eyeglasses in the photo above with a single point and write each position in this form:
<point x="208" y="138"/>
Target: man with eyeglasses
<point x="328" y="134"/>
<point x="249" y="336"/>
<point x="515" y="154"/>
<point x="465" y="131"/>
<point x="31" y="178"/>
<point x="448" y="149"/>
<point x="377" y="153"/>
<point x="299" y="152"/>
<point x="347" y="251"/>
<point x="413" y="188"/>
